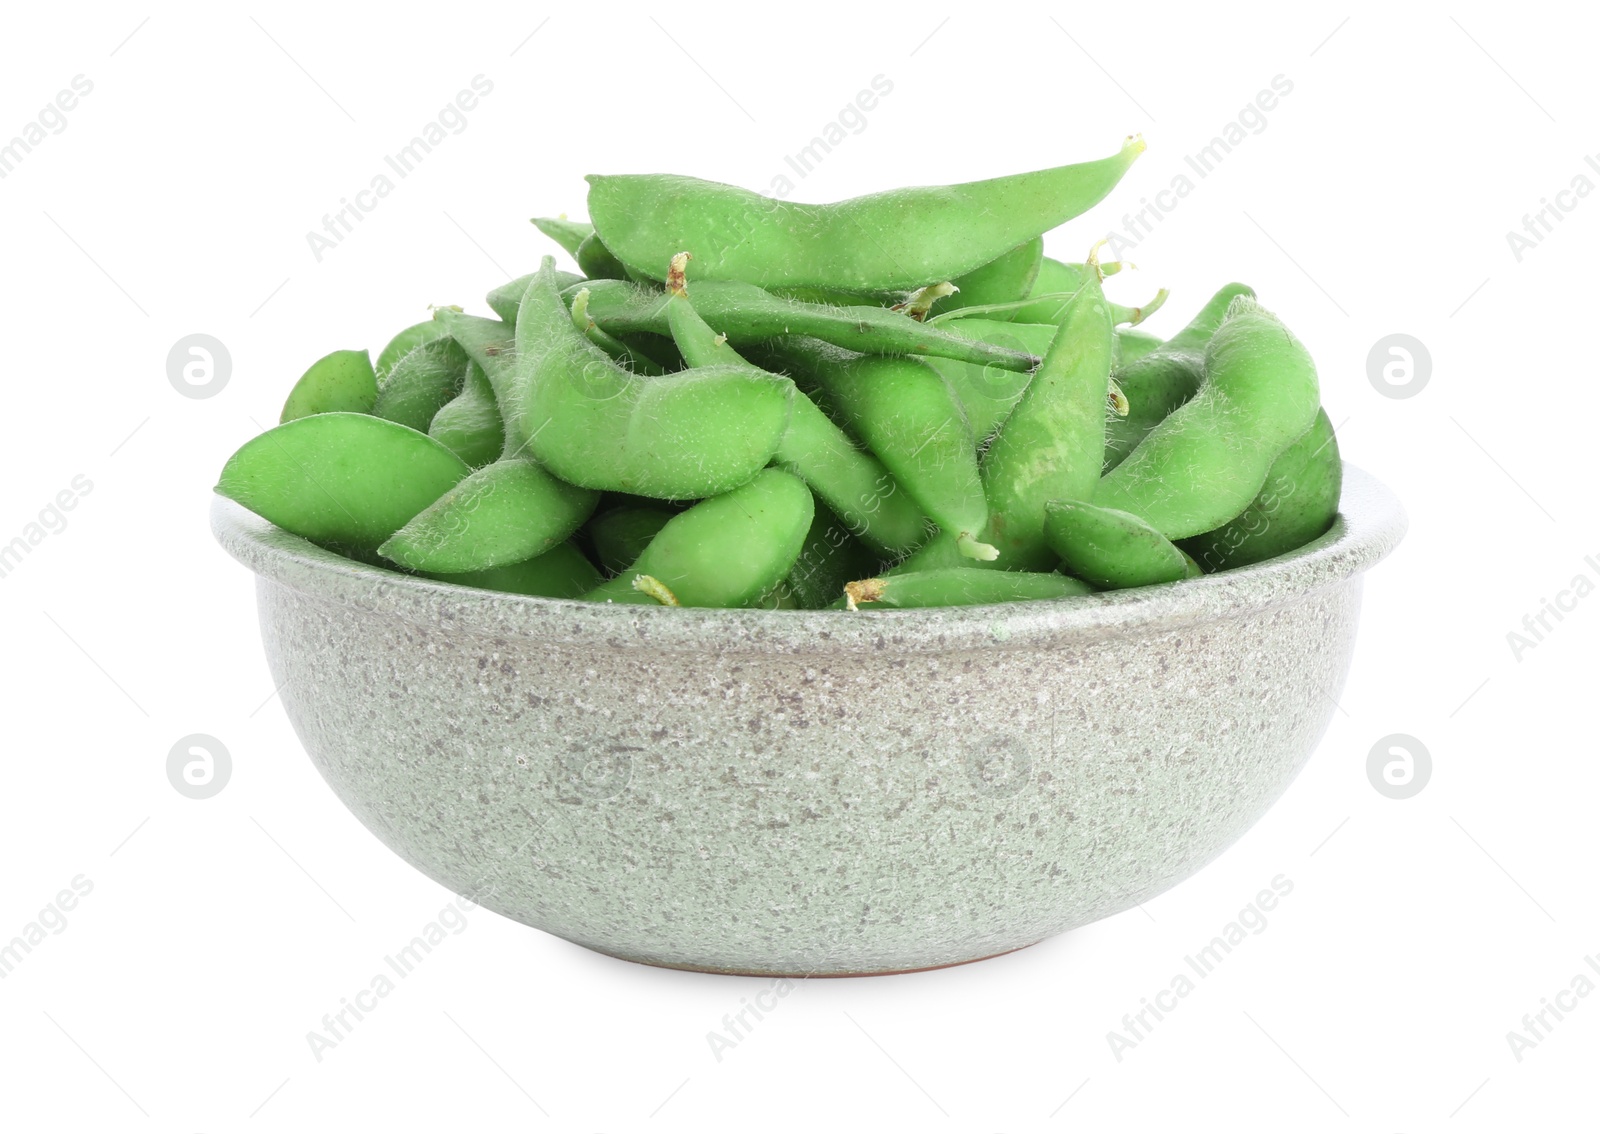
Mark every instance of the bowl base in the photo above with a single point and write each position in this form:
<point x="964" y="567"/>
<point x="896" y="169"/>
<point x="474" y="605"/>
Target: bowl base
<point x="797" y="975"/>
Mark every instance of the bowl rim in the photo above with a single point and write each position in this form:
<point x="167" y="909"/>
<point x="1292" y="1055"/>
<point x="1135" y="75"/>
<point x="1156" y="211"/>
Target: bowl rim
<point x="1370" y="523"/>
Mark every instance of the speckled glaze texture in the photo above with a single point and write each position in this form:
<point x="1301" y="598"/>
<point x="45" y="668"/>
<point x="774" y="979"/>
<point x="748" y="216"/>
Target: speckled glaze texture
<point x="807" y="792"/>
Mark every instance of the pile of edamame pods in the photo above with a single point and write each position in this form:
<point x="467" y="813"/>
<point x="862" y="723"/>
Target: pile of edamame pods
<point x="892" y="401"/>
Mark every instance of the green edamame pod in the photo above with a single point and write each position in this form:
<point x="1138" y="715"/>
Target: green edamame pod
<point x="422" y="383"/>
<point x="747" y="314"/>
<point x="829" y="558"/>
<point x="958" y="586"/>
<point x="1110" y="549"/>
<point x="504" y="513"/>
<point x="693" y="433"/>
<point x="1166" y="377"/>
<point x="570" y="234"/>
<point x="596" y="261"/>
<point x="469" y="425"/>
<point x="726" y="551"/>
<point x="341" y="382"/>
<point x="1050" y="446"/>
<point x="505" y="299"/>
<point x="1132" y="345"/>
<point x="919" y="236"/>
<point x="492" y="345"/>
<point x="620" y="535"/>
<point x="616" y="348"/>
<point x="911" y="419"/>
<point x="405" y="342"/>
<point x="855" y="484"/>
<point x="1296" y="504"/>
<point x="1001" y="280"/>
<point x="349" y="479"/>
<point x="1208" y="459"/>
<point x="988" y="393"/>
<point x="561" y="572"/>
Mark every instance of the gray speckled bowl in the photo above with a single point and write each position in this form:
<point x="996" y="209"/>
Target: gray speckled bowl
<point x="807" y="792"/>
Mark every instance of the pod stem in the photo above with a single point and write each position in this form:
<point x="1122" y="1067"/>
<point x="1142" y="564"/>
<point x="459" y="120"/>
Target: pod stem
<point x="973" y="549"/>
<point x="676" y="284"/>
<point x="1116" y="399"/>
<point x="655" y="588"/>
<point x="862" y="590"/>
<point x="920" y="302"/>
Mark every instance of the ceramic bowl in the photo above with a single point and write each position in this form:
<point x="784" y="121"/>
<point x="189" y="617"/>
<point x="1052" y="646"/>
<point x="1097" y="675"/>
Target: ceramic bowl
<point x="811" y="792"/>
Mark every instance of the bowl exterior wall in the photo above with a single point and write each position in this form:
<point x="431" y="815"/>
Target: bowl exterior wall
<point x="806" y="814"/>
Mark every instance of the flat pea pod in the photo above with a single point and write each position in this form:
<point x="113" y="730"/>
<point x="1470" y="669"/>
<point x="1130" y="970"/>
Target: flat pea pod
<point x="749" y="314"/>
<point x="1110" y="549"/>
<point x="348" y="479"/>
<point x="561" y="572"/>
<point x="405" y="342"/>
<point x="469" y="425"/>
<point x="854" y="483"/>
<point x="1050" y="446"/>
<point x="730" y="550"/>
<point x="341" y="382"/>
<point x="1296" y="504"/>
<point x="620" y="535"/>
<point x="422" y="383"/>
<point x="829" y="558"/>
<point x="690" y="434"/>
<point x="596" y="261"/>
<point x="505" y="299"/>
<point x="503" y="513"/>
<point x="918" y="236"/>
<point x="1207" y="460"/>
<point x="570" y="234"/>
<point x="911" y="419"/>
<point x="1001" y="280"/>
<point x="958" y="586"/>
<point x="1166" y="377"/>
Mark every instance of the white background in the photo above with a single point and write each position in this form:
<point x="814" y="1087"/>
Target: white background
<point x="1376" y="200"/>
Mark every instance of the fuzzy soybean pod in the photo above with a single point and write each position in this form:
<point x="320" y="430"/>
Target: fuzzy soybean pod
<point x="339" y="382"/>
<point x="504" y="513"/>
<point x="1133" y="344"/>
<point x="422" y="383"/>
<point x="470" y="425"/>
<point x="988" y="393"/>
<point x="1209" y="458"/>
<point x="505" y="299"/>
<point x="686" y="435"/>
<point x="1001" y="280"/>
<point x="596" y="261"/>
<point x="1050" y="446"/>
<point x="620" y="535"/>
<point x="895" y="241"/>
<point x="829" y="558"/>
<point x="561" y="572"/>
<point x="749" y="314"/>
<point x="727" y="551"/>
<point x="911" y="419"/>
<point x="570" y="234"/>
<point x="957" y="586"/>
<point x="1296" y="505"/>
<point x="492" y="345"/>
<point x="1164" y="378"/>
<point x="348" y="479"/>
<point x="853" y="483"/>
<point x="1110" y="549"/>
<point x="405" y="342"/>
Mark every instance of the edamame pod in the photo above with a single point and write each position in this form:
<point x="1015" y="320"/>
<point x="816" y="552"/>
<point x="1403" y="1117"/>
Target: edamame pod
<point x="693" y="433"/>
<point x="596" y="261"/>
<point x="1110" y="549"/>
<point x="727" y="551"/>
<point x="561" y="572"/>
<point x="919" y="236"/>
<point x="1001" y="280"/>
<point x="505" y="299"/>
<point x="829" y="558"/>
<point x="1166" y="377"/>
<point x="570" y="234"/>
<point x="958" y="586"/>
<point x="749" y="314"/>
<point x="616" y="348"/>
<point x="1208" y="459"/>
<point x="855" y="484"/>
<point x="341" y="478"/>
<point x="470" y="426"/>
<point x="1132" y="345"/>
<point x="341" y="382"/>
<point x="492" y="345"/>
<point x="988" y="393"/>
<point x="1051" y="445"/>
<point x="504" y="513"/>
<point x="405" y="342"/>
<point x="422" y="383"/>
<point x="911" y="419"/>
<point x="1296" y="504"/>
<point x="620" y="535"/>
